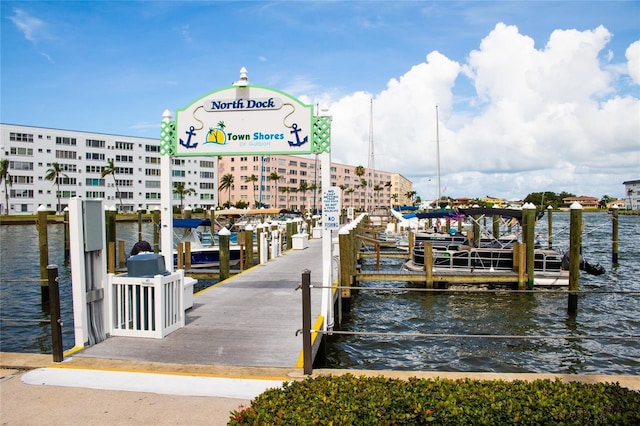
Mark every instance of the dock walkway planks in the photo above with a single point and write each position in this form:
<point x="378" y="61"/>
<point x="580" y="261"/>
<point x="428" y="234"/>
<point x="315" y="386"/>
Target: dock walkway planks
<point x="249" y="320"/>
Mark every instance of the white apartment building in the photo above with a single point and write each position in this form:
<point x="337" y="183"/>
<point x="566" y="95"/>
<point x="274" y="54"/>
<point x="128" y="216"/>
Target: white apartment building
<point x="632" y="194"/>
<point x="135" y="185"/>
<point x="82" y="156"/>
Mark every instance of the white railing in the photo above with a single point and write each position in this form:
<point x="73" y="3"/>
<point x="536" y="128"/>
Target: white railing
<point x="146" y="307"/>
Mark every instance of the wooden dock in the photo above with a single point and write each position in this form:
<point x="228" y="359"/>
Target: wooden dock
<point x="248" y="320"/>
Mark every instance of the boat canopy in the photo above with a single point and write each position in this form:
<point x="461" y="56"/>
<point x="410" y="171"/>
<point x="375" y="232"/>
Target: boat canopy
<point x="437" y="215"/>
<point x="190" y="223"/>
<point x="494" y="211"/>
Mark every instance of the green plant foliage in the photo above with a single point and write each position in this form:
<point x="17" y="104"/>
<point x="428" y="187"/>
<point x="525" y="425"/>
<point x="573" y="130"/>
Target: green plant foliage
<point x="351" y="400"/>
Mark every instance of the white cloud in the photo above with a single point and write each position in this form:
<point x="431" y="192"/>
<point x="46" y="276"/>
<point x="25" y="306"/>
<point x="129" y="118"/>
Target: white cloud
<point x="540" y="119"/>
<point x="633" y="58"/>
<point x="30" y="26"/>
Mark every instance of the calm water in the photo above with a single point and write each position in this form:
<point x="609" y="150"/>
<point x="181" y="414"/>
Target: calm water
<point x="537" y="314"/>
<point x="22" y="326"/>
<point x="22" y="319"/>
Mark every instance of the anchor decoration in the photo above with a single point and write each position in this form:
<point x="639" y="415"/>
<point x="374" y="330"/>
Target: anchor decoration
<point x="188" y="143"/>
<point x="298" y="142"/>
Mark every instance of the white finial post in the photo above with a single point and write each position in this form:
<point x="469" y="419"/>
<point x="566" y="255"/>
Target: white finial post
<point x="244" y="80"/>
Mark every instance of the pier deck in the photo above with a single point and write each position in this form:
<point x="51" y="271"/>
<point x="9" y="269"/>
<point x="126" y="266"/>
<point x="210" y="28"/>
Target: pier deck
<point x="249" y="320"/>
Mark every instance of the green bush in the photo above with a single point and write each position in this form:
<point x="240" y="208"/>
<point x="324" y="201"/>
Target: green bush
<point x="351" y="400"/>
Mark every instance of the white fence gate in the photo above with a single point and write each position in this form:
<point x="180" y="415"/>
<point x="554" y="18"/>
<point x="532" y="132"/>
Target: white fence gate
<point x="146" y="307"/>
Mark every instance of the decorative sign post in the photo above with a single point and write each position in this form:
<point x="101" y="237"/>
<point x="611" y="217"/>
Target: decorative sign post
<point x="243" y="119"/>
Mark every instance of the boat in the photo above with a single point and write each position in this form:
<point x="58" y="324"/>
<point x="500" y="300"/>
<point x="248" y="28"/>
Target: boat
<point x="205" y="252"/>
<point x="454" y="251"/>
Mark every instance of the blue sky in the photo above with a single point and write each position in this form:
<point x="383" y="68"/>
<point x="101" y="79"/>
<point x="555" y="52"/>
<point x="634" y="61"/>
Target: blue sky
<point x="532" y="96"/>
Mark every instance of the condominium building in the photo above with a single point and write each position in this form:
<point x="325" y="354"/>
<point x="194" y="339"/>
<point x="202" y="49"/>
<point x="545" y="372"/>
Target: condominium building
<point x="82" y="157"/>
<point x="632" y="194"/>
<point x="294" y="183"/>
<point x="284" y="181"/>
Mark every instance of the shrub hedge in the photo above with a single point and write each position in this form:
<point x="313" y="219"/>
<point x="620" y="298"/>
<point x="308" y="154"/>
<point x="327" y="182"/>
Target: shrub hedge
<point x="351" y="400"/>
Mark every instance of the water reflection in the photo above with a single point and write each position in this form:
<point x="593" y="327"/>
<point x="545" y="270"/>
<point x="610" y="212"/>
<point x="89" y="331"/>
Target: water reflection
<point x="508" y="314"/>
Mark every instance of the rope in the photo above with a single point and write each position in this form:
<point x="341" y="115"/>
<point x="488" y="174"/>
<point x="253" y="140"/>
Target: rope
<point x="476" y="336"/>
<point x="476" y="290"/>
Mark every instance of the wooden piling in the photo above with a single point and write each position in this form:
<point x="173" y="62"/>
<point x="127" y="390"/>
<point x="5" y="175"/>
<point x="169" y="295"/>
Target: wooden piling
<point x="223" y="254"/>
<point x="575" y="241"/>
<point x="110" y="221"/>
<point x="428" y="264"/>
<point x="139" y="225"/>
<point x="496" y="226"/>
<point x="43" y="246"/>
<point x="248" y="243"/>
<point x="180" y="256"/>
<point x="344" y="245"/>
<point x="187" y="254"/>
<point x="614" y="236"/>
<point x="111" y="257"/>
<point x="121" y="254"/>
<point x="156" y="231"/>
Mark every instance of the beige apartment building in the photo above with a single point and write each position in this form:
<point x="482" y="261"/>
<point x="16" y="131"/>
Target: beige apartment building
<point x="294" y="183"/>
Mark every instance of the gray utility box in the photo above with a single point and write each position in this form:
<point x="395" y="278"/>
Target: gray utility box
<point x="146" y="265"/>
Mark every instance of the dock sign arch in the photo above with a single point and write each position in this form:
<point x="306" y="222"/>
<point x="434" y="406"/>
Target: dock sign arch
<point x="244" y="119"/>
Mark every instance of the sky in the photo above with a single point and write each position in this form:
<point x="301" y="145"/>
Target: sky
<point x="515" y="96"/>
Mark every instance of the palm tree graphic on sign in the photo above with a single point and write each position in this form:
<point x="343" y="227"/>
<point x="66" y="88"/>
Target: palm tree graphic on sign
<point x="217" y="135"/>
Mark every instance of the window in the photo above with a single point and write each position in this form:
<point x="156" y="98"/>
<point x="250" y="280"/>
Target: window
<point x="95" y="143"/>
<point x="124" y="170"/>
<point x="65" y="141"/>
<point x="152" y="172"/>
<point x="152" y="160"/>
<point x="152" y="184"/>
<point x="208" y="164"/>
<point x="94" y="194"/>
<point x="20" y="165"/>
<point x="152" y="148"/>
<point x="21" y="137"/>
<point x="94" y="182"/>
<point x="208" y="185"/>
<point x="178" y="173"/>
<point x="95" y="156"/>
<point x="71" y="155"/>
<point x="22" y="179"/>
<point x="21" y="193"/>
<point x="22" y="151"/>
<point x="124" y="158"/>
<point x="207" y="175"/>
<point x="94" y="169"/>
<point x="127" y="146"/>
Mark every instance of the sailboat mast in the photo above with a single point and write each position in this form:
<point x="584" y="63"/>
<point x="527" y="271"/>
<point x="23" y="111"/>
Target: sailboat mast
<point x="371" y="163"/>
<point x="437" y="155"/>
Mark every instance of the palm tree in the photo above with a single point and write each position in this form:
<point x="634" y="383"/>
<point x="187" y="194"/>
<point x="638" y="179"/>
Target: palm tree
<point x="351" y="191"/>
<point x="377" y="188"/>
<point x="303" y="187"/>
<point x="226" y="183"/>
<point x="410" y="195"/>
<point x="286" y="190"/>
<point x="182" y="191"/>
<point x="275" y="177"/>
<point x="54" y="174"/>
<point x="253" y="179"/>
<point x="342" y="189"/>
<point x="6" y="178"/>
<point x="110" y="169"/>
